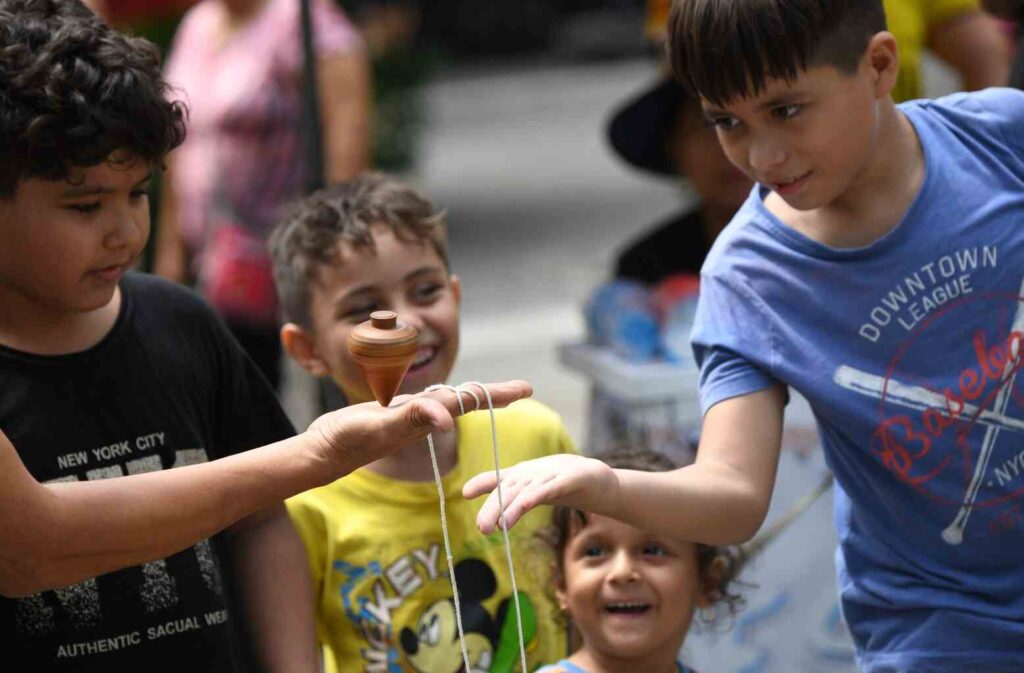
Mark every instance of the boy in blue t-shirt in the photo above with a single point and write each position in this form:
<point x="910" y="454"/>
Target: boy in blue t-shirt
<point x="876" y="268"/>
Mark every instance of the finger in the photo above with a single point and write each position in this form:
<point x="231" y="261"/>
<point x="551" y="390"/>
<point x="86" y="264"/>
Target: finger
<point x="539" y="491"/>
<point x="417" y="415"/>
<point x="487" y="517"/>
<point x="490" y="521"/>
<point x="543" y="491"/>
<point x="502" y="395"/>
<point x="490" y="512"/>
<point x="425" y="415"/>
<point x="480" y="484"/>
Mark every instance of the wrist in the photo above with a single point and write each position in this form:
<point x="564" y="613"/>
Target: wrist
<point x="614" y="494"/>
<point x="323" y="463"/>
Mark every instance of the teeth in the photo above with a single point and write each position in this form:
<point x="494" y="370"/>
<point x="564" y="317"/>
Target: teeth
<point x="423" y="356"/>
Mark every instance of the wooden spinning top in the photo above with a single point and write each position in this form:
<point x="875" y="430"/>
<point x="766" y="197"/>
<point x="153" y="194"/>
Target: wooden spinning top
<point x="384" y="348"/>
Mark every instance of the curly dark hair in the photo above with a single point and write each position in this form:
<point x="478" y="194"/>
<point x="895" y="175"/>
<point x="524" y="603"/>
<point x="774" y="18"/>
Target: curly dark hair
<point x="717" y="567"/>
<point x="73" y="91"/>
<point x="308" y="235"/>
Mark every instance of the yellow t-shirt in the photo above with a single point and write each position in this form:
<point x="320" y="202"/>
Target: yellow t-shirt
<point x="377" y="555"/>
<point x="909" y="21"/>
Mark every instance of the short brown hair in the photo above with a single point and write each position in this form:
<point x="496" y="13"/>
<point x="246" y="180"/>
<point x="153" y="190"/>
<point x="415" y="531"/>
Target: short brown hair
<point x="346" y="211"/>
<point x="727" y="49"/>
<point x="717" y="567"/>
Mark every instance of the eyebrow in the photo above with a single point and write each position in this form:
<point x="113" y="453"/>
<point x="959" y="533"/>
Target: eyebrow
<point x="352" y="294"/>
<point x="424" y="271"/>
<point x="86" y="189"/>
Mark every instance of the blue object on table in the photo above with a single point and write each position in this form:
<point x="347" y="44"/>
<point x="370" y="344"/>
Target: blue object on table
<point x="620" y="315"/>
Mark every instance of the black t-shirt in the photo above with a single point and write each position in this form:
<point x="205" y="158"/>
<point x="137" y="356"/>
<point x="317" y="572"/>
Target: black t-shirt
<point x="168" y="386"/>
<point x="675" y="246"/>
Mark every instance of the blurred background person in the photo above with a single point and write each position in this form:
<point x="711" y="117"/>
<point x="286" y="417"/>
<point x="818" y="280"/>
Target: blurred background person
<point x="238" y="64"/>
<point x="663" y="131"/>
<point x="958" y="32"/>
<point x="1012" y="12"/>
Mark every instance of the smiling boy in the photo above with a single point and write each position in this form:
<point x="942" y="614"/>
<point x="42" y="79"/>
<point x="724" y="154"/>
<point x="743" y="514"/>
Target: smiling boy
<point x="374" y="539"/>
<point x="877" y="269"/>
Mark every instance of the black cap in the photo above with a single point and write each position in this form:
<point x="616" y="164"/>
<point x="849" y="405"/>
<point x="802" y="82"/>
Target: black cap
<point x="639" y="130"/>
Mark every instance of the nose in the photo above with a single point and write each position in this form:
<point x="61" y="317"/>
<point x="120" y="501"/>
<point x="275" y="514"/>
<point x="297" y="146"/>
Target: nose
<point x="623" y="568"/>
<point x="765" y="154"/>
<point x="408" y="313"/>
<point x="128" y="227"/>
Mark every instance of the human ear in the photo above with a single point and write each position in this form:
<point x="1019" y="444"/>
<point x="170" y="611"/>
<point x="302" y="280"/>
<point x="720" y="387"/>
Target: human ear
<point x="883" y="58"/>
<point x="456" y="288"/>
<point x="561" y="595"/>
<point x="711" y="583"/>
<point x="299" y="345"/>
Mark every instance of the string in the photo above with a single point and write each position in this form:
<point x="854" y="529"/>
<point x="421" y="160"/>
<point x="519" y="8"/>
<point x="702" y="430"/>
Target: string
<point x="504" y="525"/>
<point x="444" y="527"/>
<point x="501" y="505"/>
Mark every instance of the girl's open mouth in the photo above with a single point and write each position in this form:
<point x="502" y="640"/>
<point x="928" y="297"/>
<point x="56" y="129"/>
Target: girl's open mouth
<point x="630" y="608"/>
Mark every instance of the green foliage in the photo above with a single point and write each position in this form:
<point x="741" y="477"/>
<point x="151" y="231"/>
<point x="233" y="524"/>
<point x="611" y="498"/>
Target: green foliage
<point x="399" y="118"/>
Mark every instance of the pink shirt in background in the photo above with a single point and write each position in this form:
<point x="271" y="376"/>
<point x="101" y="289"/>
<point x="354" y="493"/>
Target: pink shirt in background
<point x="243" y="159"/>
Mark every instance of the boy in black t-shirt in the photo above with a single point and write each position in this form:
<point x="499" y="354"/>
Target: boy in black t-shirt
<point x="107" y="374"/>
<point x="113" y="375"/>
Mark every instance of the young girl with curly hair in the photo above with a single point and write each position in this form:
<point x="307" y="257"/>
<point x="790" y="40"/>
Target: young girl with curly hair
<point x="632" y="595"/>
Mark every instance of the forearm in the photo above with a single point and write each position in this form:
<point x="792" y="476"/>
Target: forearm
<point x="59" y="534"/>
<point x="707" y="502"/>
<point x="71" y="531"/>
<point x="346" y="103"/>
<point x="723" y="497"/>
<point x="276" y="590"/>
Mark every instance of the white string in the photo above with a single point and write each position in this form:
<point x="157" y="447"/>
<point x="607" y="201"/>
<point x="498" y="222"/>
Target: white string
<point x="501" y="509"/>
<point x="501" y="506"/>
<point x="444" y="527"/>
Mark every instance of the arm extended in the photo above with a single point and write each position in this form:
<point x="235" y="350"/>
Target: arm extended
<point x="58" y="534"/>
<point x="721" y="499"/>
<point x="345" y="108"/>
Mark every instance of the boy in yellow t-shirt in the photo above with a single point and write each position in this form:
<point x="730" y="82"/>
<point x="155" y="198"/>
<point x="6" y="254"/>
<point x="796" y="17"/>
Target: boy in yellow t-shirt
<point x="384" y="599"/>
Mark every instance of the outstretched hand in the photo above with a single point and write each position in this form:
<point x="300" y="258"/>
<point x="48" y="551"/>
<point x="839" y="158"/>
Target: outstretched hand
<point x="359" y="434"/>
<point x="564" y="479"/>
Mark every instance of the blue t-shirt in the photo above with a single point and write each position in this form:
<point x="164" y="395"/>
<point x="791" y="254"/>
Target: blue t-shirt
<point x="908" y="351"/>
